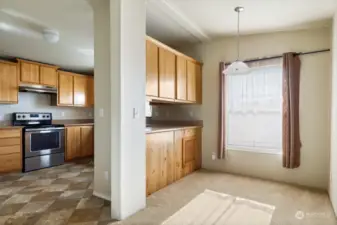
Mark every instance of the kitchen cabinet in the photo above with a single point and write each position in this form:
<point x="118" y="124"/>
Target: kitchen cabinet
<point x="90" y="91"/>
<point x="79" y="142"/>
<point x="80" y="90"/>
<point x="10" y="150"/>
<point x="181" y="79"/>
<point x="73" y="142"/>
<point x="167" y="71"/>
<point x="37" y="73"/>
<point x="75" y="90"/>
<point x="9" y="82"/>
<point x="191" y="82"/>
<point x="152" y="70"/>
<point x="65" y="90"/>
<point x="87" y="141"/>
<point x="171" y="77"/>
<point x="170" y="155"/>
<point x="194" y="91"/>
<point x="48" y="76"/>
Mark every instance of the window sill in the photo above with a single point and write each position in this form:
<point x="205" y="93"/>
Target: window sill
<point x="255" y="152"/>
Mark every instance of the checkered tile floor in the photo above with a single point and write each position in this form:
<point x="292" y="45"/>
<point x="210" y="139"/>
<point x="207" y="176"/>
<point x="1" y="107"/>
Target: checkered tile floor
<point x="54" y="196"/>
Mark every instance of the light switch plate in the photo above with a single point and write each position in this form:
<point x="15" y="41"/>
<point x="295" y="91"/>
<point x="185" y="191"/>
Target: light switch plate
<point x="101" y="112"/>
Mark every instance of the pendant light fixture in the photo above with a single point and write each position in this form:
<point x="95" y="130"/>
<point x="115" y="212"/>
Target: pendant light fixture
<point x="238" y="66"/>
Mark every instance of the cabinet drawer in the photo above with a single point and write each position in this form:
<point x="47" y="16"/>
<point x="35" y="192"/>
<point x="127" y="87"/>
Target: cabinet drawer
<point x="10" y="133"/>
<point x="10" y="162"/>
<point x="190" y="132"/>
<point x="10" y="141"/>
<point x="9" y="150"/>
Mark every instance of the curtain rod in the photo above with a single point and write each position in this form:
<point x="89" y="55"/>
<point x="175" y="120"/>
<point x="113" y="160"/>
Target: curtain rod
<point x="280" y="56"/>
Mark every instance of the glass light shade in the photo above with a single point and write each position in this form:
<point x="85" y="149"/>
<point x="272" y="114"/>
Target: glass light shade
<point x="237" y="67"/>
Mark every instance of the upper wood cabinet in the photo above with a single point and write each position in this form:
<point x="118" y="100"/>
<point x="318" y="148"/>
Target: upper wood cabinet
<point x="90" y="91"/>
<point x="29" y="72"/>
<point x="191" y="82"/>
<point x="48" y="76"/>
<point x="170" y="75"/>
<point x="152" y="69"/>
<point x="80" y="90"/>
<point x="75" y="90"/>
<point x="37" y="73"/>
<point x="167" y="71"/>
<point x="65" y="91"/>
<point x="181" y="80"/>
<point x="8" y="82"/>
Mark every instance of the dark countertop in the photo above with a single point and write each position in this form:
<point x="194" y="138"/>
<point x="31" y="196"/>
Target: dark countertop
<point x="163" y="128"/>
<point x="80" y="122"/>
<point x="10" y="127"/>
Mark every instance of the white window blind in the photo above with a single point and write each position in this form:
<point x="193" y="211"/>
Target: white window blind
<point x="254" y="110"/>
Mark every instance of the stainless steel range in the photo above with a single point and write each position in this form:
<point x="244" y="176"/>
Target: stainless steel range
<point x="43" y="143"/>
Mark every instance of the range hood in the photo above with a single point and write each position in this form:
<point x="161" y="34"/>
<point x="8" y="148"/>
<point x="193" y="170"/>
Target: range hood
<point x="37" y="88"/>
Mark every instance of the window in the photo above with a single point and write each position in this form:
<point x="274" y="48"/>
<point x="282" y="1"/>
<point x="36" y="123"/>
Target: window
<point x="254" y="110"/>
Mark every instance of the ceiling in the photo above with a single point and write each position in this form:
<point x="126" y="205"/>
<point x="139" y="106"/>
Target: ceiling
<point x="174" y="22"/>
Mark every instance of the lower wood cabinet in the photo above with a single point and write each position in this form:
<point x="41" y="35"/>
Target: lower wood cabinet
<point x="79" y="142"/>
<point x="170" y="156"/>
<point x="10" y="150"/>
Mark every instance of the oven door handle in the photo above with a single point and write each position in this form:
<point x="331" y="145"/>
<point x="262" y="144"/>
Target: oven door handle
<point x="44" y="130"/>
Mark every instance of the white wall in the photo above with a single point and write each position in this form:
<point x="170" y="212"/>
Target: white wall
<point x="333" y="154"/>
<point x="314" y="105"/>
<point x="120" y="92"/>
<point x="34" y="102"/>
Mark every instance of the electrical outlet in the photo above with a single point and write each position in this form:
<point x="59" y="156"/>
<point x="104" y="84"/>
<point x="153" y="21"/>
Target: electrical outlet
<point x="191" y="114"/>
<point x="106" y="175"/>
<point x="213" y="156"/>
<point x="62" y="114"/>
<point x="90" y="114"/>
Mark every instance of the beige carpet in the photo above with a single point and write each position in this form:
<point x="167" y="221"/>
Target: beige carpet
<point x="216" y="208"/>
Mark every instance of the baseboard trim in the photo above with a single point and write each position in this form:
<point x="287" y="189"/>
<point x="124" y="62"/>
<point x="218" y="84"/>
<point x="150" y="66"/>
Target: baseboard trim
<point x="103" y="196"/>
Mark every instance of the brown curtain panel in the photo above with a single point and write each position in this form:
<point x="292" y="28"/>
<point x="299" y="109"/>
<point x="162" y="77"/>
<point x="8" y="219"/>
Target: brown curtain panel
<point x="221" y="147"/>
<point x="291" y="125"/>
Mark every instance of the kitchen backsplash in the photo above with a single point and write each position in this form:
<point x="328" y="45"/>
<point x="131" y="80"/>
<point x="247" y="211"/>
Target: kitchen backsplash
<point x="176" y="112"/>
<point x="34" y="102"/>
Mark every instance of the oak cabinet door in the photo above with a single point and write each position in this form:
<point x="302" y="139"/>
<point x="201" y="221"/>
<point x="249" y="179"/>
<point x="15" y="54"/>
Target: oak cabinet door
<point x="181" y="80"/>
<point x="87" y="141"/>
<point x="73" y="142"/>
<point x="48" y="76"/>
<point x="8" y="83"/>
<point x="153" y="163"/>
<point x="65" y="89"/>
<point x="178" y="154"/>
<point x="167" y="71"/>
<point x="90" y="92"/>
<point x="170" y="162"/>
<point x="30" y="73"/>
<point x="152" y="80"/>
<point x="198" y="74"/>
<point x="80" y="90"/>
<point x="191" y="82"/>
<point x="189" y="153"/>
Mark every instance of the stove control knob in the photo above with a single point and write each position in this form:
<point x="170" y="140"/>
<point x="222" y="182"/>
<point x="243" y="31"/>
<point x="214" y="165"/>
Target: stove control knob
<point x="23" y="116"/>
<point x="47" y="116"/>
<point x="43" y="116"/>
<point x="19" y="116"/>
